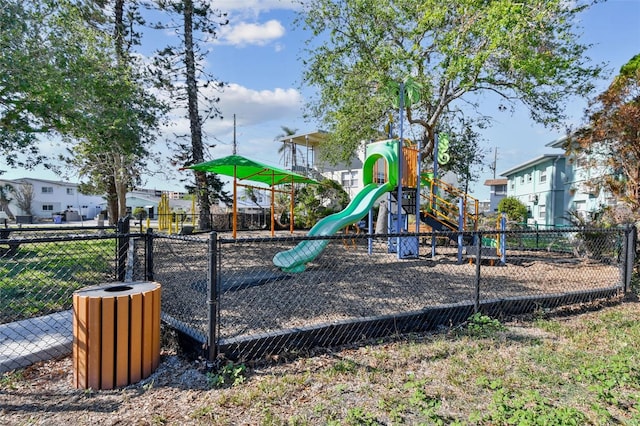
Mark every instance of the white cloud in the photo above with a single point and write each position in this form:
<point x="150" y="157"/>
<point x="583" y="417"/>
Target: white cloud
<point x="245" y="33"/>
<point x="254" y="110"/>
<point x="255" y="6"/>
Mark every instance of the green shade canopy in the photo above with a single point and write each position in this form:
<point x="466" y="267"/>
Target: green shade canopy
<point x="242" y="168"/>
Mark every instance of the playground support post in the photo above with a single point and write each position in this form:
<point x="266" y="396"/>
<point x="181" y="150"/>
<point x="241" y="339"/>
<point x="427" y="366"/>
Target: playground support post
<point x="460" y="229"/>
<point x="503" y="238"/>
<point x="432" y="189"/>
<point x="399" y="201"/>
<point x="418" y="184"/>
<point x="370" y="232"/>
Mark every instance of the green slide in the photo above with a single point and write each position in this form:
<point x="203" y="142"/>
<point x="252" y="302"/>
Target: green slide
<point x="295" y="259"/>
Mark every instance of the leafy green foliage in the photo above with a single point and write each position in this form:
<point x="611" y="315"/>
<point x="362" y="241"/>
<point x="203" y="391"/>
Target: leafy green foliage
<point x="140" y="213"/>
<point x="313" y="202"/>
<point x="229" y="374"/>
<point x="612" y="136"/>
<point x="514" y="208"/>
<point x="526" y="53"/>
<point x="528" y="408"/>
<point x="480" y="325"/>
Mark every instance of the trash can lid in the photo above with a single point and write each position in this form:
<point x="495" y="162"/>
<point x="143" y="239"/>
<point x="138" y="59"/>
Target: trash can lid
<point x="117" y="289"/>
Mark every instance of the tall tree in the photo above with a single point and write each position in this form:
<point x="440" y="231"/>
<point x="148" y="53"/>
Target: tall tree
<point x="61" y="72"/>
<point x="111" y="149"/>
<point x="38" y="87"/>
<point x="288" y="152"/>
<point x="612" y="135"/>
<point x="450" y="51"/>
<point x="468" y="156"/>
<point x="179" y="69"/>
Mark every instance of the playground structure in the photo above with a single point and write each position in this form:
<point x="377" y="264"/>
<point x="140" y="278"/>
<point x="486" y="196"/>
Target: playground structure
<point x="438" y="205"/>
<point x="171" y="221"/>
<point x="245" y="169"/>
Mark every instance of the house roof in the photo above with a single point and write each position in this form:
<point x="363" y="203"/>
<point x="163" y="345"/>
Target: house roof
<point x="495" y="182"/>
<point x="538" y="160"/>
<point x="311" y="139"/>
<point x="30" y="179"/>
<point x="558" y="143"/>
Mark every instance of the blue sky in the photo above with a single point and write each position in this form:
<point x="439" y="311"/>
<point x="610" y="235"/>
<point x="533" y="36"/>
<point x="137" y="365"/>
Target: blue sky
<point x="258" y="56"/>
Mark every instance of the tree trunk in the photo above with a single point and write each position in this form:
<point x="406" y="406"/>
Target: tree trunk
<point x="195" y="124"/>
<point x="112" y="203"/>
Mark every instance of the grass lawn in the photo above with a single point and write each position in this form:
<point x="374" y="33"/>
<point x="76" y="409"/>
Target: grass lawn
<point x="578" y="369"/>
<point x="41" y="277"/>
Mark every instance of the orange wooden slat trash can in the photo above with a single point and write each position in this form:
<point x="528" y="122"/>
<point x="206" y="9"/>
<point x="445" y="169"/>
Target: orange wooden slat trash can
<point x="116" y="334"/>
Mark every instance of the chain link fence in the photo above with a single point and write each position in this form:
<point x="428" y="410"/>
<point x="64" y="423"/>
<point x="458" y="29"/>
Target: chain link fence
<point x="228" y="295"/>
<point x="40" y="268"/>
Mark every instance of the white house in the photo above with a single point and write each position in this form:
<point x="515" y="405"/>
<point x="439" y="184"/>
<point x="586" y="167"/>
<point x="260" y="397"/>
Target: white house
<point x="53" y="198"/>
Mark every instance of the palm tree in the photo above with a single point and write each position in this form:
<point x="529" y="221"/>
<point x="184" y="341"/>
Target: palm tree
<point x="287" y="150"/>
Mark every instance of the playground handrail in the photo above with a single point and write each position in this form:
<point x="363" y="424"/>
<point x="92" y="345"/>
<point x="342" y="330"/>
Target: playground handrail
<point x="441" y="208"/>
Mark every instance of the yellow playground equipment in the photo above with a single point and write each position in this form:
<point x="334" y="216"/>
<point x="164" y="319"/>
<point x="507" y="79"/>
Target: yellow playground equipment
<point x="169" y="220"/>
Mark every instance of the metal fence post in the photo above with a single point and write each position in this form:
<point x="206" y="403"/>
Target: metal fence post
<point x="476" y="299"/>
<point x="212" y="297"/>
<point x="122" y="247"/>
<point x="630" y="239"/>
<point x="149" y="255"/>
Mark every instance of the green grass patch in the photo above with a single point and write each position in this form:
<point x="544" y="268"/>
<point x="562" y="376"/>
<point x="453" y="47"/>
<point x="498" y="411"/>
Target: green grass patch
<point x="41" y="277"/>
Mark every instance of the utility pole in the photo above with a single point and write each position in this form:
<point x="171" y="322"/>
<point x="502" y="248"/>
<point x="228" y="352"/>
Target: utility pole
<point x="495" y="161"/>
<point x="235" y="146"/>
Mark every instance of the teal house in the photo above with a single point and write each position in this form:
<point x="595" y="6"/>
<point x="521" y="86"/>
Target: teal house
<point x="552" y="185"/>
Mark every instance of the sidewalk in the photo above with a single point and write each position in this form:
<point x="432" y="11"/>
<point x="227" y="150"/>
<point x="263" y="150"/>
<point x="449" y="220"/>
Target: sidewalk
<point x="28" y="341"/>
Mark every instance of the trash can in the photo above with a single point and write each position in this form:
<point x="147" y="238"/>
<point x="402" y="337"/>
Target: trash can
<point x="57" y="218"/>
<point x="116" y="334"/>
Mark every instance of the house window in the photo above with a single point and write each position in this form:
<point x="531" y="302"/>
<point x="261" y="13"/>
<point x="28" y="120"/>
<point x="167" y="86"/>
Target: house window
<point x="349" y="179"/>
<point x="501" y="190"/>
<point x="542" y="211"/>
<point x="47" y="207"/>
<point x="522" y="179"/>
<point x="528" y="177"/>
<point x="69" y="191"/>
<point x="580" y="205"/>
<point x="513" y="185"/>
<point x="47" y="189"/>
<point x="543" y="176"/>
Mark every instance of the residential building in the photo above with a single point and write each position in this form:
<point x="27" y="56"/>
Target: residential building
<point x="498" y="192"/>
<point x="539" y="184"/>
<point x="54" y="198"/>
<point x="309" y="147"/>
<point x="583" y="172"/>
<point x="551" y="185"/>
<point x="348" y="175"/>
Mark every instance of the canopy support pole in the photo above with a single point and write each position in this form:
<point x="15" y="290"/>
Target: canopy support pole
<point x="291" y="208"/>
<point x="235" y="202"/>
